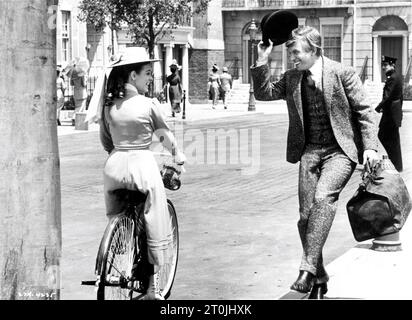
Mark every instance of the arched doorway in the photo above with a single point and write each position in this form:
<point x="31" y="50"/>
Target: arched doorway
<point x="247" y="50"/>
<point x="390" y="38"/>
<point x="276" y="58"/>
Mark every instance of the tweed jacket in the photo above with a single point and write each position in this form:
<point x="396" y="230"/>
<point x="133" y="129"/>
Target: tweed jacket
<point x="351" y="117"/>
<point x="392" y="99"/>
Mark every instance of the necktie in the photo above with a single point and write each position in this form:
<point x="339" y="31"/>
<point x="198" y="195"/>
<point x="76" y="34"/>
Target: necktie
<point x="309" y="80"/>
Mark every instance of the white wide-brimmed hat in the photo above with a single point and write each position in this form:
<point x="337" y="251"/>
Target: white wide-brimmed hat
<point x="132" y="55"/>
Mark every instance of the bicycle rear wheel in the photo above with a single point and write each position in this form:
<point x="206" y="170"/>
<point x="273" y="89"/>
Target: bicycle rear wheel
<point x="167" y="271"/>
<point x="117" y="254"/>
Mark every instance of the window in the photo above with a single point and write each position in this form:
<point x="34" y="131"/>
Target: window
<point x="66" y="36"/>
<point x="332" y="41"/>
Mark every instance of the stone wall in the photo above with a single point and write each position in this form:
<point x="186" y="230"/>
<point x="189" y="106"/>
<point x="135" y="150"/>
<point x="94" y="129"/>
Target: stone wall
<point x="200" y="65"/>
<point x="208" y="48"/>
<point x="366" y="18"/>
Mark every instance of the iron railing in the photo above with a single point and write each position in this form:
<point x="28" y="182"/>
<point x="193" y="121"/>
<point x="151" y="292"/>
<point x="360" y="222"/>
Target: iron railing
<point x="282" y="3"/>
<point x="68" y="93"/>
<point x="364" y="70"/>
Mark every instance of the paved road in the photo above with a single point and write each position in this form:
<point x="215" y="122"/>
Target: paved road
<point x="238" y="232"/>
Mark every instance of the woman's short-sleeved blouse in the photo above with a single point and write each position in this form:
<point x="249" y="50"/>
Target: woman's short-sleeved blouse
<point x="133" y="120"/>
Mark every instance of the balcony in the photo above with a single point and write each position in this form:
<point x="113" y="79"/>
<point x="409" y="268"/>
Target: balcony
<point x="282" y="4"/>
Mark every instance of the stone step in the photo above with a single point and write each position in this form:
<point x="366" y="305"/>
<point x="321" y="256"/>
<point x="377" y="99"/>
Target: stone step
<point x="239" y="93"/>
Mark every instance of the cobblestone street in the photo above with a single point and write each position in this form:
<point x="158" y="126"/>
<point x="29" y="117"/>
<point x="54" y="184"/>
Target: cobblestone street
<point x="238" y="235"/>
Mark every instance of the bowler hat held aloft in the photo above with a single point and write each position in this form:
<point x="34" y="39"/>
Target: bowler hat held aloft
<point x="277" y="26"/>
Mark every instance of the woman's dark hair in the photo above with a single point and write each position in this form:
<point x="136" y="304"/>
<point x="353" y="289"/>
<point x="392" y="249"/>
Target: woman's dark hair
<point x="117" y="79"/>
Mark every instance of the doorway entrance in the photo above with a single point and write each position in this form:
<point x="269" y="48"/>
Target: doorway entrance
<point x="390" y="38"/>
<point x="392" y="47"/>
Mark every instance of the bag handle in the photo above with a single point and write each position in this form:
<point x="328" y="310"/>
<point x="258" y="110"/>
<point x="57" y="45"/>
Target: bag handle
<point x="369" y="175"/>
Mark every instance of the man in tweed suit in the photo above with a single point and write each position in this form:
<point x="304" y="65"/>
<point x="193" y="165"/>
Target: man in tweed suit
<point x="331" y="127"/>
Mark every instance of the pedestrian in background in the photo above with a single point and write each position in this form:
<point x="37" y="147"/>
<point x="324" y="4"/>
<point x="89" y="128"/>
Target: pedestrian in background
<point x="214" y="85"/>
<point x="328" y="115"/>
<point x="79" y="82"/>
<point x="391" y="108"/>
<point x="175" y="87"/>
<point x="78" y="79"/>
<point x="226" y="84"/>
<point x="61" y="88"/>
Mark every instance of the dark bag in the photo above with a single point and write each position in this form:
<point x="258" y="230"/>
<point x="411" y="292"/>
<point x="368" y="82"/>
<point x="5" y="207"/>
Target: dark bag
<point x="381" y="204"/>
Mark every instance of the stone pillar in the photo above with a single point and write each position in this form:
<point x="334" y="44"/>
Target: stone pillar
<point x="157" y="72"/>
<point x="404" y="53"/>
<point x="185" y="69"/>
<point x="376" y="60"/>
<point x="169" y="56"/>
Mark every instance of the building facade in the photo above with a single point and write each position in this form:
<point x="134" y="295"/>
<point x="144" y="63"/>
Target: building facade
<point x="71" y="34"/>
<point x="354" y="32"/>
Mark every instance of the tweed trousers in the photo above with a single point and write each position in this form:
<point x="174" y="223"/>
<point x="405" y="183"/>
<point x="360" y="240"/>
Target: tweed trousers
<point x="323" y="173"/>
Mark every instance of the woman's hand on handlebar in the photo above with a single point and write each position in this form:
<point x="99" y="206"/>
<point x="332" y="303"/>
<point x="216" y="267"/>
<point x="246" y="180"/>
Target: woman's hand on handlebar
<point x="179" y="158"/>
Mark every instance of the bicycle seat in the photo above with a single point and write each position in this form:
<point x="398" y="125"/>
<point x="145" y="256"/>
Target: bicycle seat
<point x="132" y="197"/>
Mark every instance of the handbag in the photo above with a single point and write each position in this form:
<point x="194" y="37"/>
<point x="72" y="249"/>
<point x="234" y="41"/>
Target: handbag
<point x="381" y="204"/>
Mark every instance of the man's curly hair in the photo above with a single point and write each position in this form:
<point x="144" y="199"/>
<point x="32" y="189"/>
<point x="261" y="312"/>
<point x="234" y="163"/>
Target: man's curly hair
<point x="309" y="35"/>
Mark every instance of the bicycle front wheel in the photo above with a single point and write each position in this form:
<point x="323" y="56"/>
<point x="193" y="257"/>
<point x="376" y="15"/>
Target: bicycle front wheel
<point x="167" y="271"/>
<point x="117" y="258"/>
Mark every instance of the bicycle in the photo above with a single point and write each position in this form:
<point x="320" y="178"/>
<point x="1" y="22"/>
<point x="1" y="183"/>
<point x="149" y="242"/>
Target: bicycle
<point x="122" y="268"/>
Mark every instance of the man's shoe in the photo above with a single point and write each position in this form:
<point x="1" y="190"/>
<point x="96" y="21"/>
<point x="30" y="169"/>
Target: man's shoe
<point x="318" y="291"/>
<point x="304" y="282"/>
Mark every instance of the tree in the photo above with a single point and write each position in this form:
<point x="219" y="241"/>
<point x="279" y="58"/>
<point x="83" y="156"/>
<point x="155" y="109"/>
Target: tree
<point x="30" y="224"/>
<point x="147" y="21"/>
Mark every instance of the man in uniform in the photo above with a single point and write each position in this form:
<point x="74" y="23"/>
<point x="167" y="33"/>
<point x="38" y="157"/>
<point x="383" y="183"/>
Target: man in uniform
<point x="391" y="108"/>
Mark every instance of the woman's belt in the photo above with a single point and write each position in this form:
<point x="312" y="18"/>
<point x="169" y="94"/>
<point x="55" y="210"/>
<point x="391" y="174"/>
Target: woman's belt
<point x="130" y="147"/>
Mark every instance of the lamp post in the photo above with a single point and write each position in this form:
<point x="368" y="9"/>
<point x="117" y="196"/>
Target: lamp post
<point x="252" y="35"/>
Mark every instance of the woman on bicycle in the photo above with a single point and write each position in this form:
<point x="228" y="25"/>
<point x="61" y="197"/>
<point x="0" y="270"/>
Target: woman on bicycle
<point x="128" y="121"/>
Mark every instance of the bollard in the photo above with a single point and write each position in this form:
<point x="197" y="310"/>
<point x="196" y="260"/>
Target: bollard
<point x="184" y="105"/>
<point x="387" y="243"/>
<point x="80" y="123"/>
